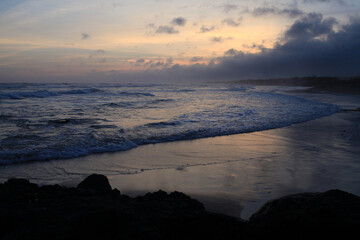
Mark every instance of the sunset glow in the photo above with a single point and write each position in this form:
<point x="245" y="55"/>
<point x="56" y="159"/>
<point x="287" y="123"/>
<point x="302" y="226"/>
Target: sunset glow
<point x="78" y="38"/>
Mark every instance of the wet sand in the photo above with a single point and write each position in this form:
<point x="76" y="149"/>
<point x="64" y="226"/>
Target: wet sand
<point x="233" y="174"/>
<point x="315" y="156"/>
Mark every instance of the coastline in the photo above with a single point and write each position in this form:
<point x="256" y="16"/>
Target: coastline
<point x="234" y="174"/>
<point x="313" y="84"/>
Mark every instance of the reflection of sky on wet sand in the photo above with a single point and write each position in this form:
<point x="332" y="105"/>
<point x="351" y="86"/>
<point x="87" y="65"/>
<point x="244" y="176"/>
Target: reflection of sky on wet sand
<point x="313" y="156"/>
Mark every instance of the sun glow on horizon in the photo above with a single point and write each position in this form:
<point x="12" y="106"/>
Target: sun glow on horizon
<point x="82" y="36"/>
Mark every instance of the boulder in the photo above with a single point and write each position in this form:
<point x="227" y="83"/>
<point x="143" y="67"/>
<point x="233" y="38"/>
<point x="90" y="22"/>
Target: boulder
<point x="94" y="211"/>
<point x="97" y="182"/>
<point x="331" y="213"/>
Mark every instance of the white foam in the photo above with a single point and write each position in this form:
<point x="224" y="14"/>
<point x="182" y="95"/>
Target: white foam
<point x="78" y="123"/>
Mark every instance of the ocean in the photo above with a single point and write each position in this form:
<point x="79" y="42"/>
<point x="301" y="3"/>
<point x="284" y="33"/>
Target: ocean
<point x="40" y="122"/>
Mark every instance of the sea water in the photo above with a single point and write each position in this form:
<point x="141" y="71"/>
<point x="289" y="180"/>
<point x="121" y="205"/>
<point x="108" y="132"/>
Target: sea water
<point x="41" y="122"/>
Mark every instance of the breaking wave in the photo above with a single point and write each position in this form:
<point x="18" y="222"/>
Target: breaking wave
<point x="95" y="119"/>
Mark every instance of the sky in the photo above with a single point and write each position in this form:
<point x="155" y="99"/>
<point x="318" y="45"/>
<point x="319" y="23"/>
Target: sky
<point x="173" y="40"/>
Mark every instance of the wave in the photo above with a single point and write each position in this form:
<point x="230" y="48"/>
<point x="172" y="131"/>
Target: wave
<point x="63" y="151"/>
<point x="162" y="124"/>
<point x="136" y="104"/>
<point x="136" y="94"/>
<point x="44" y="132"/>
<point x="82" y="91"/>
<point x="22" y="95"/>
<point x="46" y="93"/>
<point x="74" y="121"/>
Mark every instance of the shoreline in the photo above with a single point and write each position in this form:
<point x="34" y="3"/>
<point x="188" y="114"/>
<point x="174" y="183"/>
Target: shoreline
<point x="240" y="172"/>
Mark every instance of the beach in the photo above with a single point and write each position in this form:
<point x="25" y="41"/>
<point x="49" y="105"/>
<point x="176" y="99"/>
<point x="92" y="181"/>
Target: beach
<point x="234" y="174"/>
<point x="179" y="119"/>
<point x="250" y="169"/>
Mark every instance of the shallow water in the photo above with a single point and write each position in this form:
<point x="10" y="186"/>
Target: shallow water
<point x="232" y="174"/>
<point x="59" y="121"/>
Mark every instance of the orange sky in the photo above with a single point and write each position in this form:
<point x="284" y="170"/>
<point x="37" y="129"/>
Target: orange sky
<point x="39" y="37"/>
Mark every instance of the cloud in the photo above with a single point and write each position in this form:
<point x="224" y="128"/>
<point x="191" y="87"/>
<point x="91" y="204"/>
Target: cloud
<point x="231" y="22"/>
<point x="161" y="63"/>
<point x="100" y="51"/>
<point x="229" y="7"/>
<point x="150" y="25"/>
<point x="179" y="21"/>
<point x="290" y="12"/>
<point x="311" y="26"/>
<point x="259" y="47"/>
<point x="98" y="55"/>
<point x="196" y="59"/>
<point x="141" y="60"/>
<point x="325" y="1"/>
<point x="166" y="29"/>
<point x="204" y="29"/>
<point x="303" y="53"/>
<point x="313" y="45"/>
<point x="217" y="39"/>
<point x="85" y="36"/>
<point x="232" y="52"/>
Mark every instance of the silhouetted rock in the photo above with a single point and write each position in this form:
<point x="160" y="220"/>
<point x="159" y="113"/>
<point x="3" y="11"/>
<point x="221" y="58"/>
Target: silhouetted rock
<point x="327" y="214"/>
<point x="95" y="182"/>
<point x="28" y="211"/>
<point x="17" y="190"/>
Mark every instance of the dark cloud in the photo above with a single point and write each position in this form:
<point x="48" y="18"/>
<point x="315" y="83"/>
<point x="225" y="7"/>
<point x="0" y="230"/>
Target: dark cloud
<point x="166" y="29"/>
<point x="179" y="21"/>
<point x="217" y="39"/>
<point x="160" y="63"/>
<point x="311" y="46"/>
<point x="259" y="47"/>
<point x="204" y="29"/>
<point x="290" y="12"/>
<point x="231" y="22"/>
<point x="85" y="36"/>
<point x="304" y="53"/>
<point x="232" y="52"/>
<point x="141" y="60"/>
<point x="311" y="26"/>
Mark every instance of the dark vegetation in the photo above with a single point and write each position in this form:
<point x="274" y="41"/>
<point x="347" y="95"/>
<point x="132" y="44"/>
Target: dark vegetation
<point x="94" y="210"/>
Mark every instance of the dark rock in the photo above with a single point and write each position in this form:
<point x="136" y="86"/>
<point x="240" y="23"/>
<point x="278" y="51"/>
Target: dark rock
<point x="331" y="213"/>
<point x="20" y="183"/>
<point x="17" y="190"/>
<point x="95" y="182"/>
<point x="115" y="193"/>
<point x="173" y="204"/>
<point x="54" y="212"/>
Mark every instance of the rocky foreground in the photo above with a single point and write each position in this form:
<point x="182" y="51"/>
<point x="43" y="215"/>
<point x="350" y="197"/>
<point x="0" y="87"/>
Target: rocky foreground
<point x="94" y="210"/>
